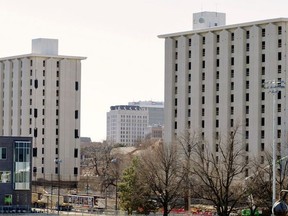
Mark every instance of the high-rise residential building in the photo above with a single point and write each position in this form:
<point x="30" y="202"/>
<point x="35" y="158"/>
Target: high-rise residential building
<point x="214" y="81"/>
<point x="40" y="97"/>
<point x="126" y="124"/>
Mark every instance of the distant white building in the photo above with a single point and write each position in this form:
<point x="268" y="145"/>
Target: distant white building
<point x="213" y="82"/>
<point x="126" y="124"/>
<point x="155" y="111"/>
<point x="40" y="98"/>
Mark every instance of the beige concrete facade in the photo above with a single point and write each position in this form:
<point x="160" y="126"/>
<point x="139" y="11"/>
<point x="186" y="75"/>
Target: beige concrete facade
<point x="40" y="97"/>
<point x="213" y="82"/>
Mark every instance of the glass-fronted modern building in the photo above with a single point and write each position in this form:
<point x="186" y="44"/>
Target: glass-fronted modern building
<point x="15" y="174"/>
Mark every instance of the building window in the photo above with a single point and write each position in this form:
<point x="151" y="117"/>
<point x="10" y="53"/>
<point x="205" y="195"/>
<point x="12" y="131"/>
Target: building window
<point x="217" y="111"/>
<point x="203" y="88"/>
<point x="176" y="44"/>
<point x="263" y="57"/>
<point x="75" y="170"/>
<point x="247" y="34"/>
<point x="189" y="41"/>
<point x="262" y="121"/>
<point x="232" y="110"/>
<point x="203" y="52"/>
<point x="232" y="61"/>
<point x="263" y="32"/>
<point x="232" y="36"/>
<point x="189" y="112"/>
<point x="203" y="100"/>
<point x="232" y="48"/>
<point x="3" y="153"/>
<point x="279" y="95"/>
<point x="279" y="30"/>
<point x="231" y="122"/>
<point x="279" y="69"/>
<point x="262" y="146"/>
<point x="279" y="43"/>
<point x="279" y="107"/>
<point x="247" y="72"/>
<point x="217" y="98"/>
<point x="22" y="154"/>
<point x="217" y="86"/>
<point x="232" y="86"/>
<point x="232" y="98"/>
<point x="189" y="66"/>
<point x="203" y="123"/>
<point x="262" y="134"/>
<point x="176" y="55"/>
<point x="262" y="108"/>
<point x="218" y="38"/>
<point x="279" y="121"/>
<point x="247" y="59"/>
<point x="247" y="122"/>
<point x="247" y="147"/>
<point x="189" y="89"/>
<point x="217" y="62"/>
<point x="176" y="67"/>
<point x="263" y="70"/>
<point x="246" y="134"/>
<point x="279" y="56"/>
<point x="278" y="133"/>
<point x="203" y="64"/>
<point x="247" y="97"/>
<point x="217" y="74"/>
<point x="75" y="153"/>
<point x="203" y="40"/>
<point x="76" y="134"/>
<point x="189" y="53"/>
<point x="189" y="100"/>
<point x="247" y="47"/>
<point x="217" y="123"/>
<point x="263" y="45"/>
<point x="247" y="84"/>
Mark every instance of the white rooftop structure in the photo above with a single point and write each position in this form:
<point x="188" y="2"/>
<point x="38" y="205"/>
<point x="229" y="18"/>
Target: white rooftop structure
<point x="45" y="46"/>
<point x="207" y="19"/>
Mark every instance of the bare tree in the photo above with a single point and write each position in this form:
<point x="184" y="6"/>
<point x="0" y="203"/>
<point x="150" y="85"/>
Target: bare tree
<point x="259" y="184"/>
<point x="220" y="174"/>
<point x="187" y="142"/>
<point x="162" y="173"/>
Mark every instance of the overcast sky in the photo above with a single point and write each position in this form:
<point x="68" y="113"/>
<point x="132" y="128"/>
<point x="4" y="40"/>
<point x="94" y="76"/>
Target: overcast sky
<point x="125" y="58"/>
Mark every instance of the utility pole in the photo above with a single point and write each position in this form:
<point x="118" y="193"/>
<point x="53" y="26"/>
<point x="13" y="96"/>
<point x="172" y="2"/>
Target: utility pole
<point x="58" y="161"/>
<point x="274" y="87"/>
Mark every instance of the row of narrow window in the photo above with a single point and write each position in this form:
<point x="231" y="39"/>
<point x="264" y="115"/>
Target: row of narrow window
<point x="263" y="34"/>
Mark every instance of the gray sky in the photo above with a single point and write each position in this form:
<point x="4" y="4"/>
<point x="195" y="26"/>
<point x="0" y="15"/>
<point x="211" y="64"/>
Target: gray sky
<point x="125" y="59"/>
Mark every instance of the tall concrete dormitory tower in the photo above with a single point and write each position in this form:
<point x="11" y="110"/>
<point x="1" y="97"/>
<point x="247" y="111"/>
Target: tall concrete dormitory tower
<point x="213" y="81"/>
<point x="40" y="97"/>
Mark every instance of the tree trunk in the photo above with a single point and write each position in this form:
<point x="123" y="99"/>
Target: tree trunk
<point x="165" y="210"/>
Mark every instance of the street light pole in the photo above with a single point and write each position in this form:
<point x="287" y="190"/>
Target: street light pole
<point x="115" y="161"/>
<point x="274" y="86"/>
<point x="58" y="161"/>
